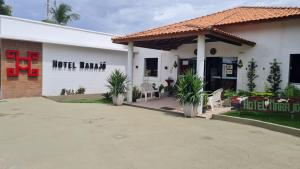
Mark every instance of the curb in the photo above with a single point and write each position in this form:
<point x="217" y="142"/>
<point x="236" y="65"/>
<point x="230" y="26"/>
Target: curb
<point x="270" y="126"/>
<point x="148" y="108"/>
<point x="159" y="110"/>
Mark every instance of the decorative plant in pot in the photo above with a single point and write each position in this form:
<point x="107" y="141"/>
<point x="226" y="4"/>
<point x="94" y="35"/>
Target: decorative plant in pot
<point x="189" y="93"/>
<point x="135" y="93"/>
<point x="117" y="84"/>
<point x="205" y="102"/>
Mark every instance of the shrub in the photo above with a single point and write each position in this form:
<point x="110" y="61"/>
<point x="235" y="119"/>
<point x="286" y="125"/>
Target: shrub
<point x="161" y="87"/>
<point x="205" y="101"/>
<point x="63" y="92"/>
<point x="251" y="74"/>
<point x="107" y="96"/>
<point x="243" y="93"/>
<point x="258" y="94"/>
<point x="117" y="83"/>
<point x="275" y="77"/>
<point x="189" y="89"/>
<point x="262" y="94"/>
<point x="69" y="92"/>
<point x="228" y="93"/>
<point x="135" y="93"/>
<point x="170" y="89"/>
<point x="291" y="91"/>
<point x="81" y="90"/>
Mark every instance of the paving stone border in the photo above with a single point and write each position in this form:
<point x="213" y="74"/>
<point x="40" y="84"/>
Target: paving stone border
<point x="271" y="126"/>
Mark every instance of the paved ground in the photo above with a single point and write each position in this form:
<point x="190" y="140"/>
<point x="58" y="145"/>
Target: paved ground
<point x="36" y="133"/>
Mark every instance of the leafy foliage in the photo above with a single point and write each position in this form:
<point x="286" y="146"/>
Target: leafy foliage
<point x="4" y="9"/>
<point x="135" y="93"/>
<point x="228" y="93"/>
<point x="107" y="96"/>
<point x="160" y="88"/>
<point x="275" y="77"/>
<point x="63" y="92"/>
<point x="189" y="89"/>
<point x="291" y="91"/>
<point x="205" y="101"/>
<point x="251" y="74"/>
<point x="63" y="14"/>
<point x="117" y="83"/>
<point x="81" y="90"/>
<point x="259" y="94"/>
<point x="243" y="93"/>
<point x="262" y="94"/>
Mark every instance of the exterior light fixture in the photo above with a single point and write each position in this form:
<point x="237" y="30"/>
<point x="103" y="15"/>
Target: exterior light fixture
<point x="240" y="64"/>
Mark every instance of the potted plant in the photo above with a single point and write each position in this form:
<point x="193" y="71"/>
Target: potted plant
<point x="189" y="93"/>
<point x="205" y="102"/>
<point x="161" y="89"/>
<point x="117" y="85"/>
<point x="135" y="93"/>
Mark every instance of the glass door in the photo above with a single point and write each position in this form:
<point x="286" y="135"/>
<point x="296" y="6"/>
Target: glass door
<point x="221" y="72"/>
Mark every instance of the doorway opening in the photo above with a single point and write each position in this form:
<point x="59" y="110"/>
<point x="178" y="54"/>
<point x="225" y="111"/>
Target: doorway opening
<point x="220" y="72"/>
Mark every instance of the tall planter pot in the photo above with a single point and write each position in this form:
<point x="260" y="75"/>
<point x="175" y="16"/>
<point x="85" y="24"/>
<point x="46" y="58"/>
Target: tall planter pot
<point x="118" y="100"/>
<point x="190" y="110"/>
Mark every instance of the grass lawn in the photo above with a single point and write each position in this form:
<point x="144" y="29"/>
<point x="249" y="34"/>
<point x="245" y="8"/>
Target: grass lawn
<point x="277" y="118"/>
<point x="101" y="100"/>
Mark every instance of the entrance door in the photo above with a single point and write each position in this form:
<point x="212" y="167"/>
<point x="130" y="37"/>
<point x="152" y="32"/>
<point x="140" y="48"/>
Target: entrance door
<point x="220" y="73"/>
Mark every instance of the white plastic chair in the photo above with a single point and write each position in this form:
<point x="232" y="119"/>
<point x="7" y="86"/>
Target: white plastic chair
<point x="215" y="98"/>
<point x="147" y="88"/>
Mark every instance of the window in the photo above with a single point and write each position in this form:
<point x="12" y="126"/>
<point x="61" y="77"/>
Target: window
<point x="295" y="68"/>
<point x="151" y="67"/>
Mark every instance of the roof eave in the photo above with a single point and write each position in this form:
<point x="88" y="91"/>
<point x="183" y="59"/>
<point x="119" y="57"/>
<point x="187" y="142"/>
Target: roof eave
<point x="211" y="31"/>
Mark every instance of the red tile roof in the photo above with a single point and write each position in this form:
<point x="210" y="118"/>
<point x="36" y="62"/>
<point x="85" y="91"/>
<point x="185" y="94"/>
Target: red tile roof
<point x="228" y="17"/>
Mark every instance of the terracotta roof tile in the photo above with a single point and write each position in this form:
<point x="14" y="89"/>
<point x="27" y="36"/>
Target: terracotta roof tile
<point x="219" y="19"/>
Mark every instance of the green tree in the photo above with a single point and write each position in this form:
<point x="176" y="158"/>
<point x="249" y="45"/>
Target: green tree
<point x="275" y="77"/>
<point x="4" y="9"/>
<point x="251" y="74"/>
<point x="62" y="14"/>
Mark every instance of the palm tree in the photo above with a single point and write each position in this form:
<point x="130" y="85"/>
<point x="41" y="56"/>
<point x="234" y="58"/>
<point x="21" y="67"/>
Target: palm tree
<point x="62" y="14"/>
<point x="4" y="9"/>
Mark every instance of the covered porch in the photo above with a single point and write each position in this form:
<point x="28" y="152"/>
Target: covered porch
<point x="171" y="105"/>
<point x="199" y="37"/>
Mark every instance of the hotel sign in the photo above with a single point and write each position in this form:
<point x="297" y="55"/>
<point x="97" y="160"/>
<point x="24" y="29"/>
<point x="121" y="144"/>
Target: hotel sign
<point x="81" y="65"/>
<point x="271" y="105"/>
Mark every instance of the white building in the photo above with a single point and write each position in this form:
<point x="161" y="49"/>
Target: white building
<point x="212" y="45"/>
<point x="219" y="46"/>
<point x="61" y="52"/>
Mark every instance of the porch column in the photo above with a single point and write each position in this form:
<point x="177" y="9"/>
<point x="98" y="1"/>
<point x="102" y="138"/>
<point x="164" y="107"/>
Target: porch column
<point x="200" y="63"/>
<point x="129" y="72"/>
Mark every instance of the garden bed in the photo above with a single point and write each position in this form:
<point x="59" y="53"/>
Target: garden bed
<point x="276" y="118"/>
<point x="84" y="98"/>
<point x="101" y="100"/>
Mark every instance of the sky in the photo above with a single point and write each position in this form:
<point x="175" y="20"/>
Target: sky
<point x="127" y="16"/>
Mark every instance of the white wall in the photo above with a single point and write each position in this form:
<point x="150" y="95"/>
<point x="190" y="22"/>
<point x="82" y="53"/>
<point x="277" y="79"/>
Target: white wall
<point x="273" y="40"/>
<point x="164" y="59"/>
<point x="93" y="80"/>
<point x="223" y="50"/>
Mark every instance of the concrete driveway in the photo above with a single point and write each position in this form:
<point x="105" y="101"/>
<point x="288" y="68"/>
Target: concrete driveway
<point x="36" y="133"/>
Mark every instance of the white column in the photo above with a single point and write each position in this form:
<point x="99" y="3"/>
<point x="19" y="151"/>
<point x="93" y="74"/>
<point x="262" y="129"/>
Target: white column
<point x="129" y="71"/>
<point x="200" y="63"/>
